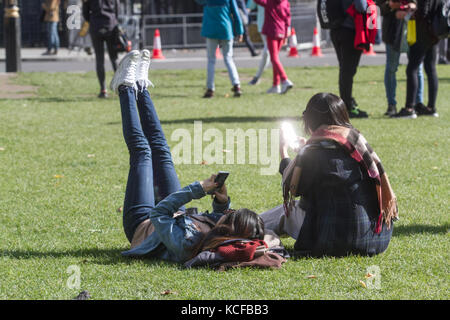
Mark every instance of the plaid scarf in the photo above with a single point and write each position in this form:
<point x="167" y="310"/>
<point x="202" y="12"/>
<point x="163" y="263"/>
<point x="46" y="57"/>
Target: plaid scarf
<point x="358" y="148"/>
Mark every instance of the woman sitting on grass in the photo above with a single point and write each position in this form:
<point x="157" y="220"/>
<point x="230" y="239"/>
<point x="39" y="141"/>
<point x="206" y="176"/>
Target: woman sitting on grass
<point x="347" y="205"/>
<point x="160" y="227"/>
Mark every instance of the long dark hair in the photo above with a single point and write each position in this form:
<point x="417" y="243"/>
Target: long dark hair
<point x="239" y="224"/>
<point x="325" y="108"/>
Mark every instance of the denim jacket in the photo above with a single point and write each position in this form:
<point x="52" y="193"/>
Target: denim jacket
<point x="174" y="238"/>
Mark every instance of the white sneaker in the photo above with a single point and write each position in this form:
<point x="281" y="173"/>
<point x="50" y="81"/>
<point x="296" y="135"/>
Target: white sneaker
<point x="126" y="71"/>
<point x="286" y="85"/>
<point x="142" y="70"/>
<point x="275" y="89"/>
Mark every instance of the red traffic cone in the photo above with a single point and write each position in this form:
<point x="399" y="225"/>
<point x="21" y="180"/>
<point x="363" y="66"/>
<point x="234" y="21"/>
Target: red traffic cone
<point x="316" y="51"/>
<point x="371" y="52"/>
<point x="218" y="53"/>
<point x="157" y="51"/>
<point x="293" y="52"/>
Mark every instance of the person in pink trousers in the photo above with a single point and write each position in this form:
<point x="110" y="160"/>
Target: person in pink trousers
<point x="277" y="22"/>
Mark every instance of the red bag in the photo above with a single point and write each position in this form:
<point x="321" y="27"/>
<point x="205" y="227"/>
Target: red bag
<point x="240" y="250"/>
<point x="365" y="25"/>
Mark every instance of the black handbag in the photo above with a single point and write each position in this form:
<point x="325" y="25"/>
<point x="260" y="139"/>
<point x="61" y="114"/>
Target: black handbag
<point x="121" y="41"/>
<point x="440" y="22"/>
<point x="42" y="17"/>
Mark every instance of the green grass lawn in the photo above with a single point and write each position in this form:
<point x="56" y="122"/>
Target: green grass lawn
<point x="64" y="166"/>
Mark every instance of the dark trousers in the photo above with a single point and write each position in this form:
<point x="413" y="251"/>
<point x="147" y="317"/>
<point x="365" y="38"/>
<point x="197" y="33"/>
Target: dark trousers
<point x="348" y="57"/>
<point x="248" y="41"/>
<point x="98" y="42"/>
<point x="152" y="174"/>
<point x="419" y="53"/>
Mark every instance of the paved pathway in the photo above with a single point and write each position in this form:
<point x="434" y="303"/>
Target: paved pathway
<point x="10" y="90"/>
<point x="32" y="60"/>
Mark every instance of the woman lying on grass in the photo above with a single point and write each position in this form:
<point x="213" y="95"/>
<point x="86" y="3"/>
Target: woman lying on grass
<point x="347" y="205"/>
<point x="161" y="228"/>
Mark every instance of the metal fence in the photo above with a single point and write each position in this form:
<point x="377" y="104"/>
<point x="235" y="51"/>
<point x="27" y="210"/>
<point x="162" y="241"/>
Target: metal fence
<point x="183" y="30"/>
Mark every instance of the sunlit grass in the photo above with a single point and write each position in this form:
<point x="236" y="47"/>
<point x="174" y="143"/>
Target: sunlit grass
<point x="64" y="166"/>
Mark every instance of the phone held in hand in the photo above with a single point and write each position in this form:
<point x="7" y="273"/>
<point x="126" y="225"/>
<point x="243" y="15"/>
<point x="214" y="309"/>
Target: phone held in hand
<point x="220" y="180"/>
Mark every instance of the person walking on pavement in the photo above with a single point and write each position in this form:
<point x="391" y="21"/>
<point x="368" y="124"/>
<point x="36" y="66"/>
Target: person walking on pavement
<point x="51" y="19"/>
<point x="277" y="22"/>
<point x="265" y="56"/>
<point x="443" y="51"/>
<point x="245" y="20"/>
<point x="102" y="16"/>
<point x="221" y="23"/>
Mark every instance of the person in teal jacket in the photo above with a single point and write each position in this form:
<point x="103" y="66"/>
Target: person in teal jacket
<point x="221" y="24"/>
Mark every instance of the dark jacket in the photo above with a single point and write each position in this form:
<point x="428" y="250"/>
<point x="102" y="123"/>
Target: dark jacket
<point x="426" y="9"/>
<point x="102" y="15"/>
<point x="392" y="28"/>
<point x="340" y="203"/>
<point x="360" y="6"/>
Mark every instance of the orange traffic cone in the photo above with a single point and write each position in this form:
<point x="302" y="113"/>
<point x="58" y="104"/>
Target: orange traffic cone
<point x="157" y="52"/>
<point x="293" y="52"/>
<point x="218" y="53"/>
<point x="371" y="52"/>
<point x="316" y="51"/>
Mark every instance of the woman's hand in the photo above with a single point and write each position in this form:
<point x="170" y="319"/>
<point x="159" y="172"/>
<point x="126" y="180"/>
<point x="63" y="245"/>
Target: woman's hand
<point x="284" y="145"/>
<point x="301" y="143"/>
<point x="209" y="185"/>
<point x="221" y="195"/>
<point x="394" y="5"/>
<point x="400" y="15"/>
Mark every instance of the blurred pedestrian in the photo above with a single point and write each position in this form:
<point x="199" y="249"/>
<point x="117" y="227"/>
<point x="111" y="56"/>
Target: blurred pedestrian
<point x="51" y="19"/>
<point x="443" y="51"/>
<point x="265" y="57"/>
<point x="102" y="16"/>
<point x="343" y="38"/>
<point x="243" y="11"/>
<point x="277" y="22"/>
<point x="79" y="38"/>
<point x="221" y="23"/>
<point x="422" y="48"/>
<point x="394" y="37"/>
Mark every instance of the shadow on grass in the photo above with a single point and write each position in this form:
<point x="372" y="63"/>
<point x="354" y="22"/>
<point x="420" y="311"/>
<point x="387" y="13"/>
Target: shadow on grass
<point x="87" y="256"/>
<point x="62" y="99"/>
<point x="220" y="120"/>
<point x="230" y="120"/>
<point x="408" y="230"/>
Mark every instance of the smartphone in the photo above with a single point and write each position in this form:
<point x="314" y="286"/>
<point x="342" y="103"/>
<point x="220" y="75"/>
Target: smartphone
<point x="220" y="180"/>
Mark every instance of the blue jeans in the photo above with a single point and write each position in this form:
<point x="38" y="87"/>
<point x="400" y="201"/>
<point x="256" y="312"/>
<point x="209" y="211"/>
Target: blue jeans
<point x="52" y="34"/>
<point x="390" y="80"/>
<point x="227" y="52"/>
<point x="265" y="58"/>
<point x="152" y="175"/>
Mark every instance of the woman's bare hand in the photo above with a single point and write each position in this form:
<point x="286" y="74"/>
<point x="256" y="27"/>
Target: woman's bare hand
<point x="208" y="184"/>
<point x="221" y="194"/>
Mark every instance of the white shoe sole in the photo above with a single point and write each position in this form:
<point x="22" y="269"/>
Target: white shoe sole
<point x="413" y="116"/>
<point x="119" y="71"/>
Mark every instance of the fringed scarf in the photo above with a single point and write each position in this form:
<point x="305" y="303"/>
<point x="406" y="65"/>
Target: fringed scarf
<point x="358" y="148"/>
